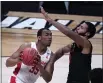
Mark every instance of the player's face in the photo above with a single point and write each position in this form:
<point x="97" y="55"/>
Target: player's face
<point x="46" y="37"/>
<point x="82" y="29"/>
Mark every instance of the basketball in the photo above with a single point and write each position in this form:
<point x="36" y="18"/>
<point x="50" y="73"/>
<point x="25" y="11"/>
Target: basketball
<point x="28" y="56"/>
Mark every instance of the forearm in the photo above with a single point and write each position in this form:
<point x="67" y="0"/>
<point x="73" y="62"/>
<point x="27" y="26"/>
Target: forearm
<point x="59" y="26"/>
<point x="74" y="36"/>
<point x="12" y="62"/>
<point x="46" y="76"/>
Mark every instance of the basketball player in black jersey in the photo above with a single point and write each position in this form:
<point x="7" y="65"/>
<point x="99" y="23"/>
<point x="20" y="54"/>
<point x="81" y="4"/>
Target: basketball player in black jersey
<point x="80" y="50"/>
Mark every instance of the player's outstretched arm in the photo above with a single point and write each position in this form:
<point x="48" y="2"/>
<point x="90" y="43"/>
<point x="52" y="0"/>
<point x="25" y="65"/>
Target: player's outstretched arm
<point x="47" y="72"/>
<point x="60" y="52"/>
<point x="15" y="57"/>
<point x="74" y="36"/>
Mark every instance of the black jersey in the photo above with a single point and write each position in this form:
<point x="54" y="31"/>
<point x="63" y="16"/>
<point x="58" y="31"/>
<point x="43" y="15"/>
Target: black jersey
<point x="80" y="65"/>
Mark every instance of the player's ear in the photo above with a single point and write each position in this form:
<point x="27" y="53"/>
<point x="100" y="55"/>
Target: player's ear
<point x="87" y="34"/>
<point x="39" y="37"/>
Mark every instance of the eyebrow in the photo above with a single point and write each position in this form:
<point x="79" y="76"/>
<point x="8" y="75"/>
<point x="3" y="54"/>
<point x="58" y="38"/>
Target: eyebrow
<point x="49" y="33"/>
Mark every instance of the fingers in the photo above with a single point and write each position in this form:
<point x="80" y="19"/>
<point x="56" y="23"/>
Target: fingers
<point x="21" y="56"/>
<point x="43" y="11"/>
<point x="45" y="14"/>
<point x="41" y="8"/>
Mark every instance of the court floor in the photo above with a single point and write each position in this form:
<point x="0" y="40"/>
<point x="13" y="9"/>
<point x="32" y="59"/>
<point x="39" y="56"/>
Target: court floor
<point x="60" y="71"/>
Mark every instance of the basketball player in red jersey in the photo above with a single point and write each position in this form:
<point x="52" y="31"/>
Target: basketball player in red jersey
<point x="80" y="50"/>
<point x="43" y="67"/>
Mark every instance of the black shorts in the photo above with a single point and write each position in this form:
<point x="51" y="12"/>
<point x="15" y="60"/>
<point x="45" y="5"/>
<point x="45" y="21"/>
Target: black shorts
<point x="69" y="81"/>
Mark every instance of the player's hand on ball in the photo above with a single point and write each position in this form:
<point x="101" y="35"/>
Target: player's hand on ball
<point x="20" y="56"/>
<point x="37" y="60"/>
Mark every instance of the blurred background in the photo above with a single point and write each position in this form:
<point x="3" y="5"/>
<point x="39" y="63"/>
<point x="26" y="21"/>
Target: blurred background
<point x="56" y="7"/>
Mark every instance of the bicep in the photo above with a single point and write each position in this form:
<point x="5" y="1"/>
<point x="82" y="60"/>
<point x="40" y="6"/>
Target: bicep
<point x="77" y="38"/>
<point x="87" y="47"/>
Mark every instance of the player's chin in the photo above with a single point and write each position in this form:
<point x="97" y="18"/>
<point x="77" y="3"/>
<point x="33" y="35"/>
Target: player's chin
<point x="48" y="44"/>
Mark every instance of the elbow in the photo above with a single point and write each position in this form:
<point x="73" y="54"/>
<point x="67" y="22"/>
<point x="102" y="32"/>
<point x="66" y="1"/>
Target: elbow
<point x="48" y="79"/>
<point x="7" y="65"/>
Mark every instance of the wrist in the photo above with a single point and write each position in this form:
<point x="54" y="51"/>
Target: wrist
<point x="50" y="20"/>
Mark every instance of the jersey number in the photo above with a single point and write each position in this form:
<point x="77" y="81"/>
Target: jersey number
<point x="34" y="70"/>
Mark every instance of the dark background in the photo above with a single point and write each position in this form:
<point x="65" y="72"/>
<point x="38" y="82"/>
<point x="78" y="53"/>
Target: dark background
<point x="91" y="8"/>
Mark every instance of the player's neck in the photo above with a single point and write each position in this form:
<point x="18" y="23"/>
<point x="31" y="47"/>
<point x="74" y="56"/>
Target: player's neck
<point x="41" y="48"/>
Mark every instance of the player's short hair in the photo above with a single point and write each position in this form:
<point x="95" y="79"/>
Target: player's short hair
<point x="91" y="29"/>
<point x="39" y="33"/>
